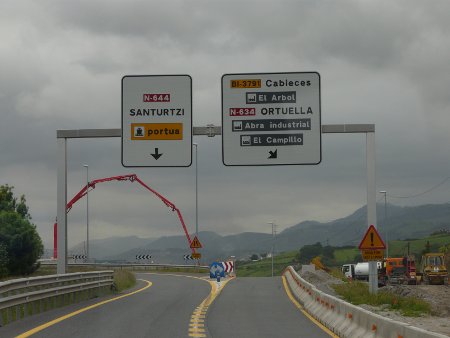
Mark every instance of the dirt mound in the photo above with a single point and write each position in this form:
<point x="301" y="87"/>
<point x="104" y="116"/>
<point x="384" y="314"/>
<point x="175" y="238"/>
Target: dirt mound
<point x="438" y="296"/>
<point x="321" y="280"/>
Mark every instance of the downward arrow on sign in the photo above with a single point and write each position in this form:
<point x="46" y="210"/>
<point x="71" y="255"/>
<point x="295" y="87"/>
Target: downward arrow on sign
<point x="156" y="155"/>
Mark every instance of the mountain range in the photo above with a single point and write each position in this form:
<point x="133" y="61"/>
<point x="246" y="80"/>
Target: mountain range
<point x="394" y="222"/>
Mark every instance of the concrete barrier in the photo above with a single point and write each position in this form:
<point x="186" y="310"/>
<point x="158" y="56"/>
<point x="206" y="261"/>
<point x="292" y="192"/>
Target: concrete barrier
<point x="345" y="319"/>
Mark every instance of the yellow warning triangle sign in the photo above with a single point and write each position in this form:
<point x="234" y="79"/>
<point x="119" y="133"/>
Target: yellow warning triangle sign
<point x="195" y="244"/>
<point x="372" y="240"/>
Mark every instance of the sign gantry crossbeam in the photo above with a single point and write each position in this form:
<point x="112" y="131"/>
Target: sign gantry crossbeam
<point x="211" y="131"/>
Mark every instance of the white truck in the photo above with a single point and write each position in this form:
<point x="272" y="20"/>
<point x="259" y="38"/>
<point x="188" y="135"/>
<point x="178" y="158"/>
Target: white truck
<point x="348" y="270"/>
<point x="362" y="270"/>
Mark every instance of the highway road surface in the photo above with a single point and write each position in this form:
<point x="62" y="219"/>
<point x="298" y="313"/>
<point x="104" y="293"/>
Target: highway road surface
<point x="165" y="305"/>
<point x="258" y="307"/>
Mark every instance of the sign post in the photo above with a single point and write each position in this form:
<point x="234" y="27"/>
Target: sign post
<point x="271" y="119"/>
<point x="156" y="121"/>
<point x="372" y="250"/>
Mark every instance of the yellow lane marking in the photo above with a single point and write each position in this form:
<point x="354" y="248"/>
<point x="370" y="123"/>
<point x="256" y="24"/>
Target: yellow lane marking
<point x="199" y="313"/>
<point x="300" y="307"/>
<point x="198" y="330"/>
<point x="60" y="319"/>
<point x="197" y="317"/>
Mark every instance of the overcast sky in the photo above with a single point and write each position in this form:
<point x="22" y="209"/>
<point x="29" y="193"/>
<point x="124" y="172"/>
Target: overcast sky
<point x="381" y="62"/>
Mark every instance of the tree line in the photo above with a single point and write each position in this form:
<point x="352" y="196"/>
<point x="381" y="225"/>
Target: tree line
<point x="20" y="243"/>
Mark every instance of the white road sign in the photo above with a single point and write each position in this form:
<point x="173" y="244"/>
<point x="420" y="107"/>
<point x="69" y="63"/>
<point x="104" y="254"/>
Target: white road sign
<point x="271" y="119"/>
<point x="156" y="121"/>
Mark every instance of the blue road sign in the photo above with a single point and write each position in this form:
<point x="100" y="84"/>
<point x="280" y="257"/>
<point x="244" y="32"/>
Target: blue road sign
<point x="216" y="269"/>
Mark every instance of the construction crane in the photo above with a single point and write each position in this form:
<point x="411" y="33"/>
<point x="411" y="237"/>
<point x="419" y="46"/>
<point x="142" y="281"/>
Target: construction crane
<point x="132" y="178"/>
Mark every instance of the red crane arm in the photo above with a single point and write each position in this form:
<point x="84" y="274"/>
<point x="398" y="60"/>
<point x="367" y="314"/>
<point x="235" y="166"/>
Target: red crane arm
<point x="170" y="205"/>
<point x="92" y="185"/>
<point x="131" y="177"/>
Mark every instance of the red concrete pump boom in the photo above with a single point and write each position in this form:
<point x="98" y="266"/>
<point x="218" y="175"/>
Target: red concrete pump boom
<point x="131" y="178"/>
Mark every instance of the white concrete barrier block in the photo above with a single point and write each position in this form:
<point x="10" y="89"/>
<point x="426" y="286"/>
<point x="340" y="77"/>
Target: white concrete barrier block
<point x="350" y="324"/>
<point x="348" y="320"/>
<point x="415" y="332"/>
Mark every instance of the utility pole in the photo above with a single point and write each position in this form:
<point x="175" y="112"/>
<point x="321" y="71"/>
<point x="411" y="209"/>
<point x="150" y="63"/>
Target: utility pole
<point x="196" y="188"/>
<point x="87" y="211"/>
<point x="273" y="241"/>
<point x="385" y="221"/>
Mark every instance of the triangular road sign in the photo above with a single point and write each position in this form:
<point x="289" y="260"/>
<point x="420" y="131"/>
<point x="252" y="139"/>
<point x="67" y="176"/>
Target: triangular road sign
<point x="372" y="240"/>
<point x="195" y="244"/>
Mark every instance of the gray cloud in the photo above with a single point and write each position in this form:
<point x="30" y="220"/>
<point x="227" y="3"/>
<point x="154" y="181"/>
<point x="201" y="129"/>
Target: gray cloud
<point x="62" y="62"/>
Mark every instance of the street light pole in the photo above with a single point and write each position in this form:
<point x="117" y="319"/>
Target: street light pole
<point x="385" y="220"/>
<point x="87" y="211"/>
<point x="273" y="242"/>
<point x="196" y="189"/>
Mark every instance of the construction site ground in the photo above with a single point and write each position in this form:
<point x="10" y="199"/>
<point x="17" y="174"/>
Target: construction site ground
<point x="438" y="296"/>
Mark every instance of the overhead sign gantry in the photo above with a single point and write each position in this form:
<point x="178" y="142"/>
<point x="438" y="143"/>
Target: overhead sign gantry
<point x="271" y="119"/>
<point x="62" y="137"/>
<point x="156" y="121"/>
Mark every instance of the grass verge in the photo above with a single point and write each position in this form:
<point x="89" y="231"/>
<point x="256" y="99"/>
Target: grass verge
<point x="357" y="293"/>
<point x="124" y="279"/>
<point x="263" y="268"/>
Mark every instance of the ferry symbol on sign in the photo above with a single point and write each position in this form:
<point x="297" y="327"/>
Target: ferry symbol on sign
<point x="139" y="131"/>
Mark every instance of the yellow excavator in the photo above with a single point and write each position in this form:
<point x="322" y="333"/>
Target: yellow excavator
<point x="433" y="269"/>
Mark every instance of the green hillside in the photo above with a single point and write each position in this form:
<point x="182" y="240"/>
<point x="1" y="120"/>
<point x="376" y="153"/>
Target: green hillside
<point x="396" y="248"/>
<point x="345" y="255"/>
<point x="401" y="223"/>
<point x="263" y="268"/>
<point x="342" y="255"/>
<point x="416" y="246"/>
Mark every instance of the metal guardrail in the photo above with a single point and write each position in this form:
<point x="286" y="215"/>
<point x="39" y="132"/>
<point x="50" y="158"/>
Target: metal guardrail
<point x="21" y="285"/>
<point x="26" y="296"/>
<point x="25" y="291"/>
<point x="150" y="266"/>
